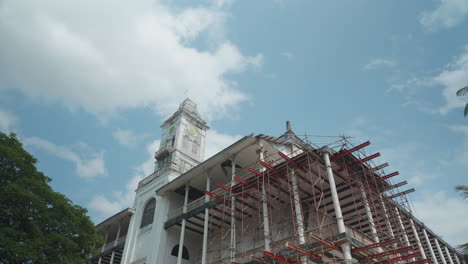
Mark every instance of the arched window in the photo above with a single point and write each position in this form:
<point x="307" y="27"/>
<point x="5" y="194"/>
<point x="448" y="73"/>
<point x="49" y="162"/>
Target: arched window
<point x="148" y="213"/>
<point x="175" y="252"/>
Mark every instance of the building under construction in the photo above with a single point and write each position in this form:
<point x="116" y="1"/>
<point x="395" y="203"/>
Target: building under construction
<point x="268" y="200"/>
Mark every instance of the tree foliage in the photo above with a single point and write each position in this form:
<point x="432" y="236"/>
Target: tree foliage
<point x="462" y="92"/>
<point x="38" y="225"/>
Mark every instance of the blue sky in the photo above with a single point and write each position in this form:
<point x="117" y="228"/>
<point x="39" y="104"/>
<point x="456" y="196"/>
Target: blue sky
<point x="86" y="85"/>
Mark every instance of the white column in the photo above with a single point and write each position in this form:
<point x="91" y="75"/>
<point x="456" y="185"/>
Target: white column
<point x="402" y="226"/>
<point x="233" y="211"/>
<point x="429" y="245"/>
<point x="370" y="218"/>
<point x="449" y="255"/>
<point x="418" y="241"/>
<point x="456" y="258"/>
<point x="205" y="224"/>
<point x="102" y="248"/>
<point x="182" y="228"/>
<point x="387" y="220"/>
<point x="115" y="244"/>
<point x="297" y="208"/>
<point x="266" y="220"/>
<point x="441" y="254"/>
<point x="346" y="247"/>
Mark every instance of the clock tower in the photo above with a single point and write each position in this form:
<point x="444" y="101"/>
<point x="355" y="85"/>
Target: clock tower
<point x="182" y="142"/>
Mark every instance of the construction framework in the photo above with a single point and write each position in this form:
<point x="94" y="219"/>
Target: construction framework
<point x="310" y="204"/>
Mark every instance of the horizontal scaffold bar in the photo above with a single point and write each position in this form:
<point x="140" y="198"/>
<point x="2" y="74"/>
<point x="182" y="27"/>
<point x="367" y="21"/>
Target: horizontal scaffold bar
<point x="402" y="193"/>
<point x="375" y="245"/>
<point x="284" y="156"/>
<point x="303" y="251"/>
<point x="358" y="147"/>
<point x="277" y="257"/>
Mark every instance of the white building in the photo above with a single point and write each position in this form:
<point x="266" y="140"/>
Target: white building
<point x="266" y="200"/>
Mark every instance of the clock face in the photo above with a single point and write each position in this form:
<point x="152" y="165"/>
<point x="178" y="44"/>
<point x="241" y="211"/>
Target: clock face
<point x="192" y="131"/>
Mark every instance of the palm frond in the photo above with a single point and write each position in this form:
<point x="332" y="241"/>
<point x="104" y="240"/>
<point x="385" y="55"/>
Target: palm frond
<point x="463" y="91"/>
<point x="463" y="189"/>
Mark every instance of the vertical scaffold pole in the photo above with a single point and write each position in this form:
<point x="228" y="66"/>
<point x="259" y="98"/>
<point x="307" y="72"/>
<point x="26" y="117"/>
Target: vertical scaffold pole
<point x="266" y="221"/>
<point x="346" y="247"/>
<point x="449" y="255"/>
<point x="205" y="223"/>
<point x="182" y="228"/>
<point x="418" y="240"/>
<point x="441" y="253"/>
<point x="233" y="211"/>
<point x="429" y="245"/>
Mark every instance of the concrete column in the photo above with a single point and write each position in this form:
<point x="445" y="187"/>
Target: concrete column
<point x="449" y="255"/>
<point x="102" y="248"/>
<point x="115" y="244"/>
<point x="233" y="211"/>
<point x="402" y="226"/>
<point x="346" y="247"/>
<point x="370" y="218"/>
<point x="428" y="241"/>
<point x="182" y="228"/>
<point x="297" y="208"/>
<point x="418" y="241"/>
<point x="456" y="258"/>
<point x="441" y="254"/>
<point x="266" y="220"/>
<point x="387" y="220"/>
<point x="205" y="224"/>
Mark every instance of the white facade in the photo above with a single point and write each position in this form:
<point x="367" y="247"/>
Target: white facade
<point x="182" y="147"/>
<point x="264" y="196"/>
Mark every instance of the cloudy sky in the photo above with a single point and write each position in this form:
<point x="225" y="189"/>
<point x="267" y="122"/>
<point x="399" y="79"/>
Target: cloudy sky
<point x="86" y="84"/>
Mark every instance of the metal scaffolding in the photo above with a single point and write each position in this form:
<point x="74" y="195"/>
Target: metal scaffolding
<point x="313" y="204"/>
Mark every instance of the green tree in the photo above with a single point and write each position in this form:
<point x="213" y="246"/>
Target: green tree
<point x="462" y="92"/>
<point x="38" y="225"/>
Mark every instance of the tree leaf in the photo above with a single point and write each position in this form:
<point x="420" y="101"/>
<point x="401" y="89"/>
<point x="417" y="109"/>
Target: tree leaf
<point x="463" y="91"/>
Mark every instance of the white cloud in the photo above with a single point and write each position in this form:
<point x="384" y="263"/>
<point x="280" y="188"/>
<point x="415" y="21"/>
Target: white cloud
<point x="448" y="14"/>
<point x="216" y="141"/>
<point x="445" y="215"/>
<point x="127" y="138"/>
<point x="104" y="56"/>
<point x="460" y="153"/>
<point x="90" y="167"/>
<point x="7" y="121"/>
<point x="379" y="63"/>
<point x="453" y="78"/>
<point x="106" y="205"/>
